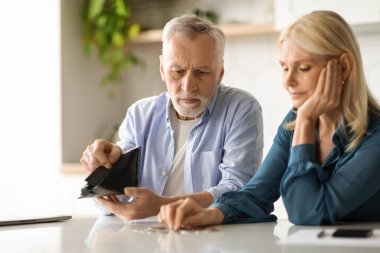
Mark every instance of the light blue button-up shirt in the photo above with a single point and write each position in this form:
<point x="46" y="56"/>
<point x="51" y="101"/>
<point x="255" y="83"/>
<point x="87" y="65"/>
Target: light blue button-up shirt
<point x="224" y="149"/>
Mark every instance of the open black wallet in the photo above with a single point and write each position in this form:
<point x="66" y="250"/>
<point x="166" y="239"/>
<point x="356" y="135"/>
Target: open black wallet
<point x="123" y="173"/>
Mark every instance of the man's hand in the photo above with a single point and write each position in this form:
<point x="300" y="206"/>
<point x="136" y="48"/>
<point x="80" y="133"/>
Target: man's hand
<point x="187" y="213"/>
<point x="100" y="153"/>
<point x="144" y="204"/>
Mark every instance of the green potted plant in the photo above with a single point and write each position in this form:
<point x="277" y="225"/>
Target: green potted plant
<point x="107" y="29"/>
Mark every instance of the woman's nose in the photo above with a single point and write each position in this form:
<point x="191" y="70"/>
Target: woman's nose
<point x="289" y="79"/>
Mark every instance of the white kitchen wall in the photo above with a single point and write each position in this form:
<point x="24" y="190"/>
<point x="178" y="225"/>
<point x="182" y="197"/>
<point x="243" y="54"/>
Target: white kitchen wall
<point x="30" y="107"/>
<point x="30" y="180"/>
<point x="355" y="12"/>
<point x="30" y="79"/>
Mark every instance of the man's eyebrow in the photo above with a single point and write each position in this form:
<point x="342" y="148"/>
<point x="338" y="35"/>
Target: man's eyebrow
<point x="175" y="66"/>
<point x="203" y="67"/>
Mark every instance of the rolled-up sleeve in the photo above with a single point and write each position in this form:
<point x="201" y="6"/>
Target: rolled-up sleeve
<point x="243" y="149"/>
<point x="254" y="202"/>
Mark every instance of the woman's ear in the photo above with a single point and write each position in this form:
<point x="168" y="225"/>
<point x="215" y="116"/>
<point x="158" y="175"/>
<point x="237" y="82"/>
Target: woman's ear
<point x="345" y="60"/>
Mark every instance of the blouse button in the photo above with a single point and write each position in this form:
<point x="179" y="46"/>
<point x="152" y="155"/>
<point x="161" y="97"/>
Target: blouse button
<point x="164" y="173"/>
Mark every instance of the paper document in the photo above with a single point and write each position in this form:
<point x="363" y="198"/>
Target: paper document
<point x="23" y="220"/>
<point x="310" y="237"/>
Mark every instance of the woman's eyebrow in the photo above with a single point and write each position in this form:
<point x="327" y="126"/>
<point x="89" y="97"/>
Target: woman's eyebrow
<point x="298" y="61"/>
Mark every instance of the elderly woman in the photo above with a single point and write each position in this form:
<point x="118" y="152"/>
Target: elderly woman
<point x="325" y="158"/>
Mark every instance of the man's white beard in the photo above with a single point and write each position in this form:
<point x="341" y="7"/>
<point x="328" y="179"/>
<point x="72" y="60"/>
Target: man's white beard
<point x="191" y="111"/>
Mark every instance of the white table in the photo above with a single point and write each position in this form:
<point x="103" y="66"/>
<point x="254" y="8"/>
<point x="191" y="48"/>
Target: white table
<point x="109" y="234"/>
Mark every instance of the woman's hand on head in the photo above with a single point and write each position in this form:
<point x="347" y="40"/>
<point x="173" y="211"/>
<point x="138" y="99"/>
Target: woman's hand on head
<point x="327" y="95"/>
<point x="187" y="213"/>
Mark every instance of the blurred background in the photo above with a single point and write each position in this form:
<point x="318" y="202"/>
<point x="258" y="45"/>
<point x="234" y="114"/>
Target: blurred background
<point x="57" y="94"/>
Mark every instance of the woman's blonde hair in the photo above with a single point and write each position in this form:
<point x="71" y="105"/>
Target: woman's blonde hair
<point x="327" y="34"/>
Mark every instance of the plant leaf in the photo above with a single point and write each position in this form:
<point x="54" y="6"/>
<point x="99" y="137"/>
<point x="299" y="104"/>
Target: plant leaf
<point x="133" y="31"/>
<point x="118" y="55"/>
<point x="95" y="7"/>
<point x="118" y="39"/>
<point x="107" y="28"/>
<point x="121" y="9"/>
<point x="101" y="21"/>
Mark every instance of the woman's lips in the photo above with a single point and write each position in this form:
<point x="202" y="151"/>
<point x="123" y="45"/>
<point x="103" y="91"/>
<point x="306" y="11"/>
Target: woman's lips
<point x="296" y="94"/>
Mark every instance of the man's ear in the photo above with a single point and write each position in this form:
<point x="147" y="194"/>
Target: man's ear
<point x="221" y="74"/>
<point x="345" y="60"/>
<point x="162" y="69"/>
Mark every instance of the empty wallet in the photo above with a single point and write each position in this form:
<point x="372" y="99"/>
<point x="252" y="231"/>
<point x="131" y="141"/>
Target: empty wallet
<point x="123" y="173"/>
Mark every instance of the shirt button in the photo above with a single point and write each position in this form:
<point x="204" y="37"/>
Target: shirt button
<point x="164" y="173"/>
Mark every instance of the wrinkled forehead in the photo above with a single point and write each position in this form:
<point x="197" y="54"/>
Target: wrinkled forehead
<point x="198" y="49"/>
<point x="191" y="40"/>
<point x="208" y="43"/>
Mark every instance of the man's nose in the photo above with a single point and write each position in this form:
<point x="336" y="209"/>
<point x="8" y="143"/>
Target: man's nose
<point x="188" y="83"/>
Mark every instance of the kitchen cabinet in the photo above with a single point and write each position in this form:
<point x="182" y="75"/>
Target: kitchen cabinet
<point x="364" y="13"/>
<point x="230" y="31"/>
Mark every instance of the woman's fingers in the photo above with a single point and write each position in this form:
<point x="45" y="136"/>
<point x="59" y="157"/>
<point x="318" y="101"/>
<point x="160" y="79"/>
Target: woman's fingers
<point x="187" y="208"/>
<point x="329" y="88"/>
<point x="335" y="83"/>
<point x="175" y="214"/>
<point x="327" y="85"/>
<point x="167" y="213"/>
<point x="321" y="83"/>
<point x="339" y="84"/>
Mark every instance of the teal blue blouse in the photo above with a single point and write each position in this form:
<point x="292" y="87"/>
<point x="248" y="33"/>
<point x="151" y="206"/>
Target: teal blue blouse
<point x="346" y="187"/>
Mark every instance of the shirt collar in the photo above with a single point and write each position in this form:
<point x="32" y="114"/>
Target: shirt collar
<point x="341" y="136"/>
<point x="210" y="108"/>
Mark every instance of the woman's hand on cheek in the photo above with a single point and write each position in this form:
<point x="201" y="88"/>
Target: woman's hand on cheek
<point x="327" y="95"/>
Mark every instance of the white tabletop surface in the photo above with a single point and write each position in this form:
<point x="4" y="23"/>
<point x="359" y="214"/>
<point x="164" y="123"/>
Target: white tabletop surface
<point x="109" y="234"/>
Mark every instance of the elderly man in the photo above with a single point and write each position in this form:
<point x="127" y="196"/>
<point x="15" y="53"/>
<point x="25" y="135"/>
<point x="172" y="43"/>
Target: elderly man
<point x="199" y="139"/>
